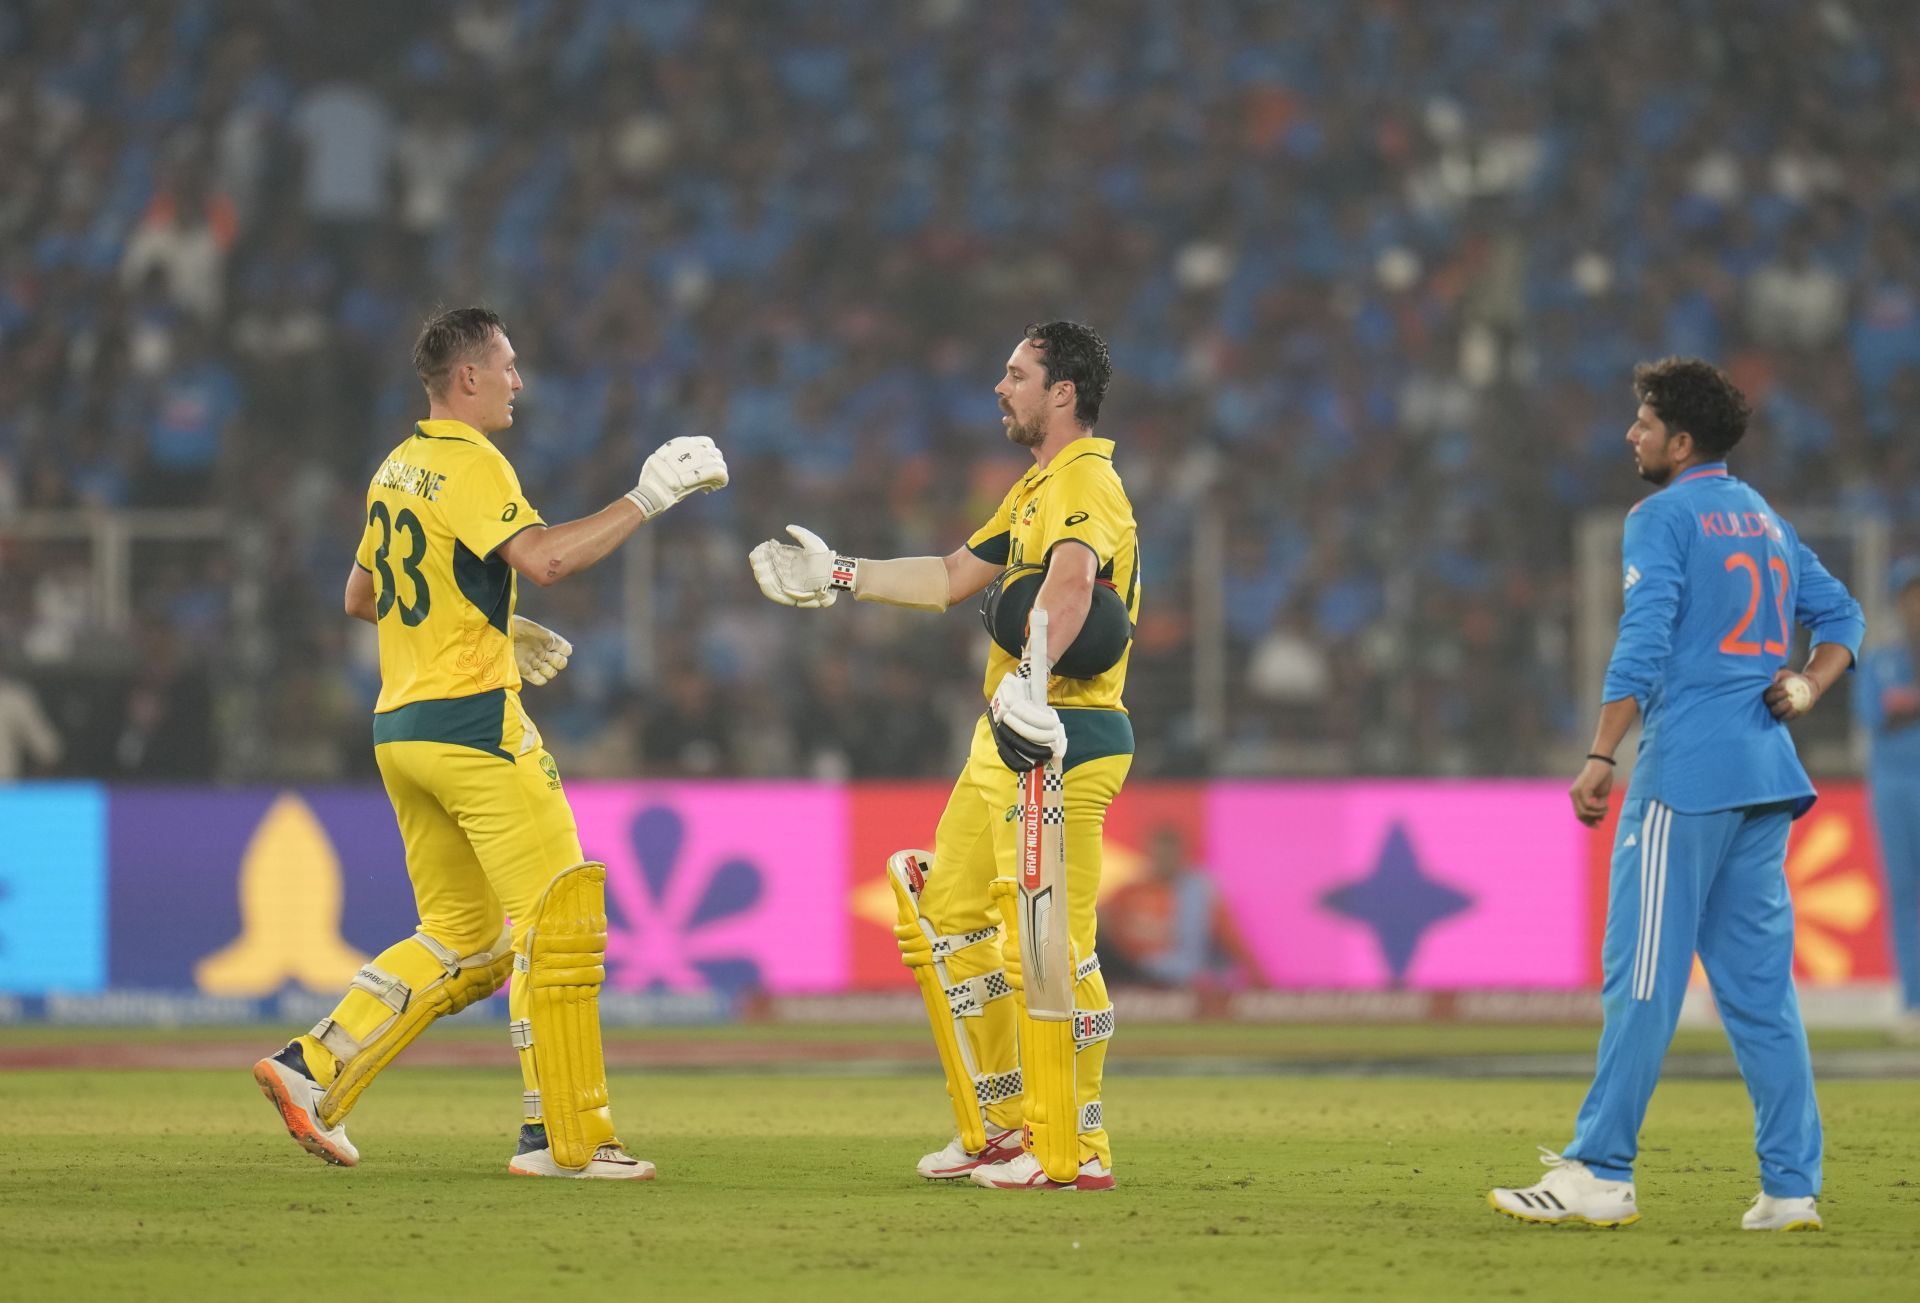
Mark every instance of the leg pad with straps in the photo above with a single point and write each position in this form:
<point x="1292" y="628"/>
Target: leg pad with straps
<point x="563" y="962"/>
<point x="442" y="983"/>
<point x="1090" y="1026"/>
<point x="925" y="952"/>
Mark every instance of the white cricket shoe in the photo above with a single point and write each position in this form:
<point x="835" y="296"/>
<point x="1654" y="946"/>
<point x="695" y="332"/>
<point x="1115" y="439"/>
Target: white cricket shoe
<point x="1569" y="1193"/>
<point x="610" y="1162"/>
<point x="1771" y="1214"/>
<point x="1025" y="1173"/>
<point x="954" y="1162"/>
<point x="284" y="1079"/>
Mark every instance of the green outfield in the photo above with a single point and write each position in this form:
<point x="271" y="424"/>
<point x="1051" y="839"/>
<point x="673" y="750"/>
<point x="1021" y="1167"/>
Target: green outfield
<point x="179" y="1184"/>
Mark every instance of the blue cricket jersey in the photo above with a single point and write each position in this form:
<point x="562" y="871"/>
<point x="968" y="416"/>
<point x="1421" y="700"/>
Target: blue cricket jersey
<point x="1715" y="581"/>
<point x="1895" y="752"/>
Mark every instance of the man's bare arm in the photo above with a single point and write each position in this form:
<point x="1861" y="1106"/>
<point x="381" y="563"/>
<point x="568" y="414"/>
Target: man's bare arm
<point x="967" y="574"/>
<point x="546" y="554"/>
<point x="360" y="599"/>
<point x="1593" y="785"/>
<point x="1829" y="661"/>
<point x="809" y="573"/>
<point x="1066" y="594"/>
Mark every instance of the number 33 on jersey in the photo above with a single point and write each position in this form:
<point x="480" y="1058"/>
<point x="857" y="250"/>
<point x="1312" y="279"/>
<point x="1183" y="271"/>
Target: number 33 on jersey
<point x="438" y="510"/>
<point x="1715" y="582"/>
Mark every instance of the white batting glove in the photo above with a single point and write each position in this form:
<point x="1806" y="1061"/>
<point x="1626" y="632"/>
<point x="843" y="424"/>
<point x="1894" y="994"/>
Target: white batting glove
<point x="810" y="575"/>
<point x="538" y="651"/>
<point x="678" y="467"/>
<point x="1025" y="731"/>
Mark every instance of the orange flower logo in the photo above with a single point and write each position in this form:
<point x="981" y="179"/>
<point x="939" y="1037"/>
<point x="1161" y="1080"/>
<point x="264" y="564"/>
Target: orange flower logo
<point x="1835" y="896"/>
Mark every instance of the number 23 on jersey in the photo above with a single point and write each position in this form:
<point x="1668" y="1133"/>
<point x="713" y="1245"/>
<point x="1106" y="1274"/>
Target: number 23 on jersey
<point x="1746" y="570"/>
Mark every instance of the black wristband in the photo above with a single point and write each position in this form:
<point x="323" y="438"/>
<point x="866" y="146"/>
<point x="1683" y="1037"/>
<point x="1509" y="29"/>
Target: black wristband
<point x="1605" y="760"/>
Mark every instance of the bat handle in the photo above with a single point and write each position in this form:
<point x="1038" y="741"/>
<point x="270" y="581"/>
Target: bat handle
<point x="1039" y="666"/>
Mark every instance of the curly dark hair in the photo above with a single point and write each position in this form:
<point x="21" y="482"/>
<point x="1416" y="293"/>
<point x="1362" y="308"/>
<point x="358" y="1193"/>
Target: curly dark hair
<point x="450" y="338"/>
<point x="1696" y="397"/>
<point x="1077" y="353"/>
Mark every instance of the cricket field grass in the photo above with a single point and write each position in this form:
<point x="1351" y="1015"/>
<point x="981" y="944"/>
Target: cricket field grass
<point x="125" y="1183"/>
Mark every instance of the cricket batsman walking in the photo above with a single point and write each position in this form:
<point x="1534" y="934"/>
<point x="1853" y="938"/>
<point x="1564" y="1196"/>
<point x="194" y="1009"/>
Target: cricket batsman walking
<point x="1025" y="1089"/>
<point x="1715" y="581"/>
<point x="502" y="887"/>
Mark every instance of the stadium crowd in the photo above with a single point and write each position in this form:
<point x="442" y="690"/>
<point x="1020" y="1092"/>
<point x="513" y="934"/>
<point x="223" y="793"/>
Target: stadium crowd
<point x="1374" y="276"/>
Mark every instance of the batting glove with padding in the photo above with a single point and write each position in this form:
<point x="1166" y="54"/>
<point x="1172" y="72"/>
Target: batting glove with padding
<point x="539" y="652"/>
<point x="1024" y="732"/>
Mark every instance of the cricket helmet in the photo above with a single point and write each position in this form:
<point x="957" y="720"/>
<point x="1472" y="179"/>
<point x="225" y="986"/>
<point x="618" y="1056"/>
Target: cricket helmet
<point x="1097" y="648"/>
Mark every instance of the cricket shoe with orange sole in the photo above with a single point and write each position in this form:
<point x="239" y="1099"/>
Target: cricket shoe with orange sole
<point x="610" y="1162"/>
<point x="1025" y="1173"/>
<point x="954" y="1163"/>
<point x="285" y="1080"/>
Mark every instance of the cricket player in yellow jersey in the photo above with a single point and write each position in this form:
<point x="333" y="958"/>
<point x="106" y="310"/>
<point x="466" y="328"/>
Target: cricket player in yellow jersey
<point x="1066" y="530"/>
<point x="498" y="875"/>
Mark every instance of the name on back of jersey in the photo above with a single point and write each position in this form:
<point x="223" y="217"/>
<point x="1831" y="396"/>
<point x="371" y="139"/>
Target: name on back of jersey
<point x="1740" y="524"/>
<point x="414" y="481"/>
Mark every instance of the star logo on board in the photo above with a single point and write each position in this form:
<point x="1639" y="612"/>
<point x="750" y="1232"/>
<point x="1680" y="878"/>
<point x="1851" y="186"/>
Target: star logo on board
<point x="1398" y="901"/>
<point x="667" y="917"/>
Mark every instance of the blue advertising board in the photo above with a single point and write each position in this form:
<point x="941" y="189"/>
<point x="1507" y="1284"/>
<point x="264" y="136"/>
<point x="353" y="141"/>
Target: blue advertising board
<point x="53" y="888"/>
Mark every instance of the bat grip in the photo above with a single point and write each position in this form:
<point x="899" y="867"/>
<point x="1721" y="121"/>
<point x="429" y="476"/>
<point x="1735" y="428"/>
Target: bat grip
<point x="1039" y="665"/>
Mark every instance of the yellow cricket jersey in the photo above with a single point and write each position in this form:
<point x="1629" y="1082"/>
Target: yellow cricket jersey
<point x="438" y="510"/>
<point x="1077" y="496"/>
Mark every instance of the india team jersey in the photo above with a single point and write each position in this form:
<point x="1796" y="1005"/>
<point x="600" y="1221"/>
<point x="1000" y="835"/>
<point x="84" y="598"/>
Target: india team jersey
<point x="438" y="510"/>
<point x="1885" y="672"/>
<point x="1077" y="496"/>
<point x="1715" y="581"/>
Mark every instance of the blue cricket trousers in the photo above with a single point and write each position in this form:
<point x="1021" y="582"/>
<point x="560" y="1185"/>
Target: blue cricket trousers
<point x="1715" y="883"/>
<point x="1896" y="810"/>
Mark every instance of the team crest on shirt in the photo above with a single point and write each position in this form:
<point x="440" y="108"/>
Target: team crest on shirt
<point x="1026" y="517"/>
<point x="552" y="771"/>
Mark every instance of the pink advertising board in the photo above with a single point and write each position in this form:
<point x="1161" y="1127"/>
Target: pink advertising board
<point x="729" y="887"/>
<point x="1419" y="885"/>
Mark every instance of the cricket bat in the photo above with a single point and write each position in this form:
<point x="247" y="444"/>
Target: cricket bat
<point x="1046" y="958"/>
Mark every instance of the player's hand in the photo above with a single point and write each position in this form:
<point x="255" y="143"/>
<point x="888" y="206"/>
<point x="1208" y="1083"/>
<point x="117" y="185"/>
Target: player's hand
<point x="1590" y="791"/>
<point x="1787" y="700"/>
<point x="795" y="576"/>
<point x="678" y="467"/>
<point x="538" y="651"/>
<point x="1025" y="732"/>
